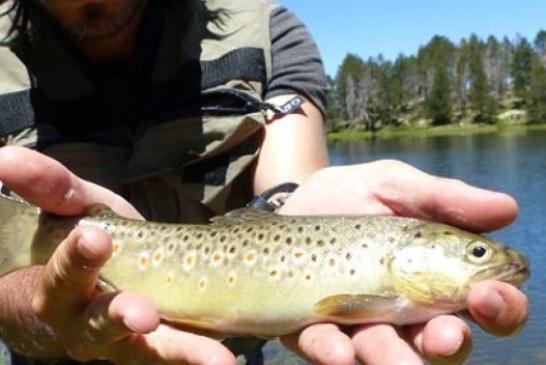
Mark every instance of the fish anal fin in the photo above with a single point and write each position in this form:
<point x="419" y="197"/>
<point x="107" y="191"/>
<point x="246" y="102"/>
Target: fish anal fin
<point x="355" y="307"/>
<point x="241" y="215"/>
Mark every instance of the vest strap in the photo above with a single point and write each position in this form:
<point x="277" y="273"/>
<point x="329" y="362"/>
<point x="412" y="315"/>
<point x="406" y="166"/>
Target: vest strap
<point x="239" y="64"/>
<point x="16" y="112"/>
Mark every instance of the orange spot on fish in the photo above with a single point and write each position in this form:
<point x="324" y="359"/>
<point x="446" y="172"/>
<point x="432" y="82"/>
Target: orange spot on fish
<point x="251" y="257"/>
<point x="158" y="256"/>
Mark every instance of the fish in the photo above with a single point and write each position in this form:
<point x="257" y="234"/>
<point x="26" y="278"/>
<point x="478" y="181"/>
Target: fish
<point x="256" y="273"/>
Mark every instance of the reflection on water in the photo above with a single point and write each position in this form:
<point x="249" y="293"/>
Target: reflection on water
<point x="514" y="163"/>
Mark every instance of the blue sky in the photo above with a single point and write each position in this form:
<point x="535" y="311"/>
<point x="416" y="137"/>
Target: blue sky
<point x="389" y="27"/>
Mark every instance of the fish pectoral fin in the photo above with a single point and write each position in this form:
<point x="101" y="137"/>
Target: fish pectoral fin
<point x="354" y="307"/>
<point x="197" y="325"/>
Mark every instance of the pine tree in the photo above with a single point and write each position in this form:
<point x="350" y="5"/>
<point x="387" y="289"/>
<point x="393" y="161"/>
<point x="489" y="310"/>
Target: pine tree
<point x="480" y="99"/>
<point x="537" y="94"/>
<point x="439" y="98"/>
<point x="522" y="65"/>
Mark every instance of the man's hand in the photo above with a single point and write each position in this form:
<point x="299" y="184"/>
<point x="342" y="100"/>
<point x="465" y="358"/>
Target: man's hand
<point x="122" y="327"/>
<point x="394" y="188"/>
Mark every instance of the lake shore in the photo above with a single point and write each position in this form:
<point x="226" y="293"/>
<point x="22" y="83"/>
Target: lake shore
<point x="434" y="131"/>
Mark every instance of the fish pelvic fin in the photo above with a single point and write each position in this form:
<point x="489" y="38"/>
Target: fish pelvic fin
<point x="18" y="223"/>
<point x="354" y="308"/>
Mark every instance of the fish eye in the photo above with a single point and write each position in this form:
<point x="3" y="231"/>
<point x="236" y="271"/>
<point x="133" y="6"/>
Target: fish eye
<point x="478" y="252"/>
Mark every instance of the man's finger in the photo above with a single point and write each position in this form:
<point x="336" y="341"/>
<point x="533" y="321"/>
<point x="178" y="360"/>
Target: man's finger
<point x="381" y="344"/>
<point x="46" y="183"/>
<point x="442" y="199"/>
<point x="69" y="278"/>
<point x="322" y="344"/>
<point x="442" y="340"/>
<point x="499" y="308"/>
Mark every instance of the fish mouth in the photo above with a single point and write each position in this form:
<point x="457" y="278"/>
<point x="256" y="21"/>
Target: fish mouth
<point x="514" y="273"/>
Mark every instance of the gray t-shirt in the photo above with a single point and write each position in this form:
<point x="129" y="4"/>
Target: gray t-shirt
<point x="297" y="66"/>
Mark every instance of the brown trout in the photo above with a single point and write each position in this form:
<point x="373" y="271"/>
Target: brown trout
<point x="256" y="273"/>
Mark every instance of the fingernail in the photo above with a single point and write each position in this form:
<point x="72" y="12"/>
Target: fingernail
<point x="493" y="303"/>
<point x="86" y="249"/>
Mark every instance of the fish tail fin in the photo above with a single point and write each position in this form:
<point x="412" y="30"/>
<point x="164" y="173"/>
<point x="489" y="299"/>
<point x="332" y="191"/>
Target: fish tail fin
<point x="18" y="223"/>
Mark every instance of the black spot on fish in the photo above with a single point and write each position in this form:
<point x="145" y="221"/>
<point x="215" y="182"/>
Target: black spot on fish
<point x="358" y="226"/>
<point x="261" y="236"/>
<point x="276" y="238"/>
<point x="333" y="241"/>
<point x="223" y="238"/>
<point x="314" y="257"/>
<point x="308" y="241"/>
<point x="283" y="258"/>
<point x="418" y="234"/>
<point x="300" y="229"/>
<point x="352" y="272"/>
<point x="348" y="256"/>
<point x="288" y="240"/>
<point x="382" y="261"/>
<point x="320" y="243"/>
<point x="317" y="228"/>
<point x="140" y="234"/>
<point x="213" y="233"/>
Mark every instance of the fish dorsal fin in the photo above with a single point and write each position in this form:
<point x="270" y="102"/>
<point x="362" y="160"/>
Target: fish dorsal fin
<point x="100" y="211"/>
<point x="241" y="215"/>
<point x="355" y="307"/>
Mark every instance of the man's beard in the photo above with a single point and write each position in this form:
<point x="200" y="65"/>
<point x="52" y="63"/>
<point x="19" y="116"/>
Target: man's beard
<point x="97" y="24"/>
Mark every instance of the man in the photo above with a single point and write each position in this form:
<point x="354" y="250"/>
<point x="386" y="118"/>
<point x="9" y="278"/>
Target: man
<point x="183" y="110"/>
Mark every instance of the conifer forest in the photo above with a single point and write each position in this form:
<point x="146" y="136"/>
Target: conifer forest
<point x="475" y="81"/>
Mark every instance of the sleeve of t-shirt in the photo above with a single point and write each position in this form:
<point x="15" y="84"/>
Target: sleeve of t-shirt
<point x="296" y="63"/>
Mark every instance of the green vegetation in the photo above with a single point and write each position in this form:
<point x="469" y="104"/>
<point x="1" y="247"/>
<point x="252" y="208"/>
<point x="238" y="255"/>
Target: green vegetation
<point x="434" y="131"/>
<point x="475" y="86"/>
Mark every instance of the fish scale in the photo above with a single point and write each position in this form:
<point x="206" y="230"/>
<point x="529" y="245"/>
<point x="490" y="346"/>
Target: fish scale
<point x="257" y="273"/>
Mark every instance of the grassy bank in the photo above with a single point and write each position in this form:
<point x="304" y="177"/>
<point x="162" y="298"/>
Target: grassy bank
<point x="434" y="131"/>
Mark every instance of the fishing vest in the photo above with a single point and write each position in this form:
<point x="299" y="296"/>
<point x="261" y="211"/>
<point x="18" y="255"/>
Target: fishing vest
<point x="178" y="140"/>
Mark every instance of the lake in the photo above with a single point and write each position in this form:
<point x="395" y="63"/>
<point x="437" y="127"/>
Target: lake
<point x="512" y="162"/>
